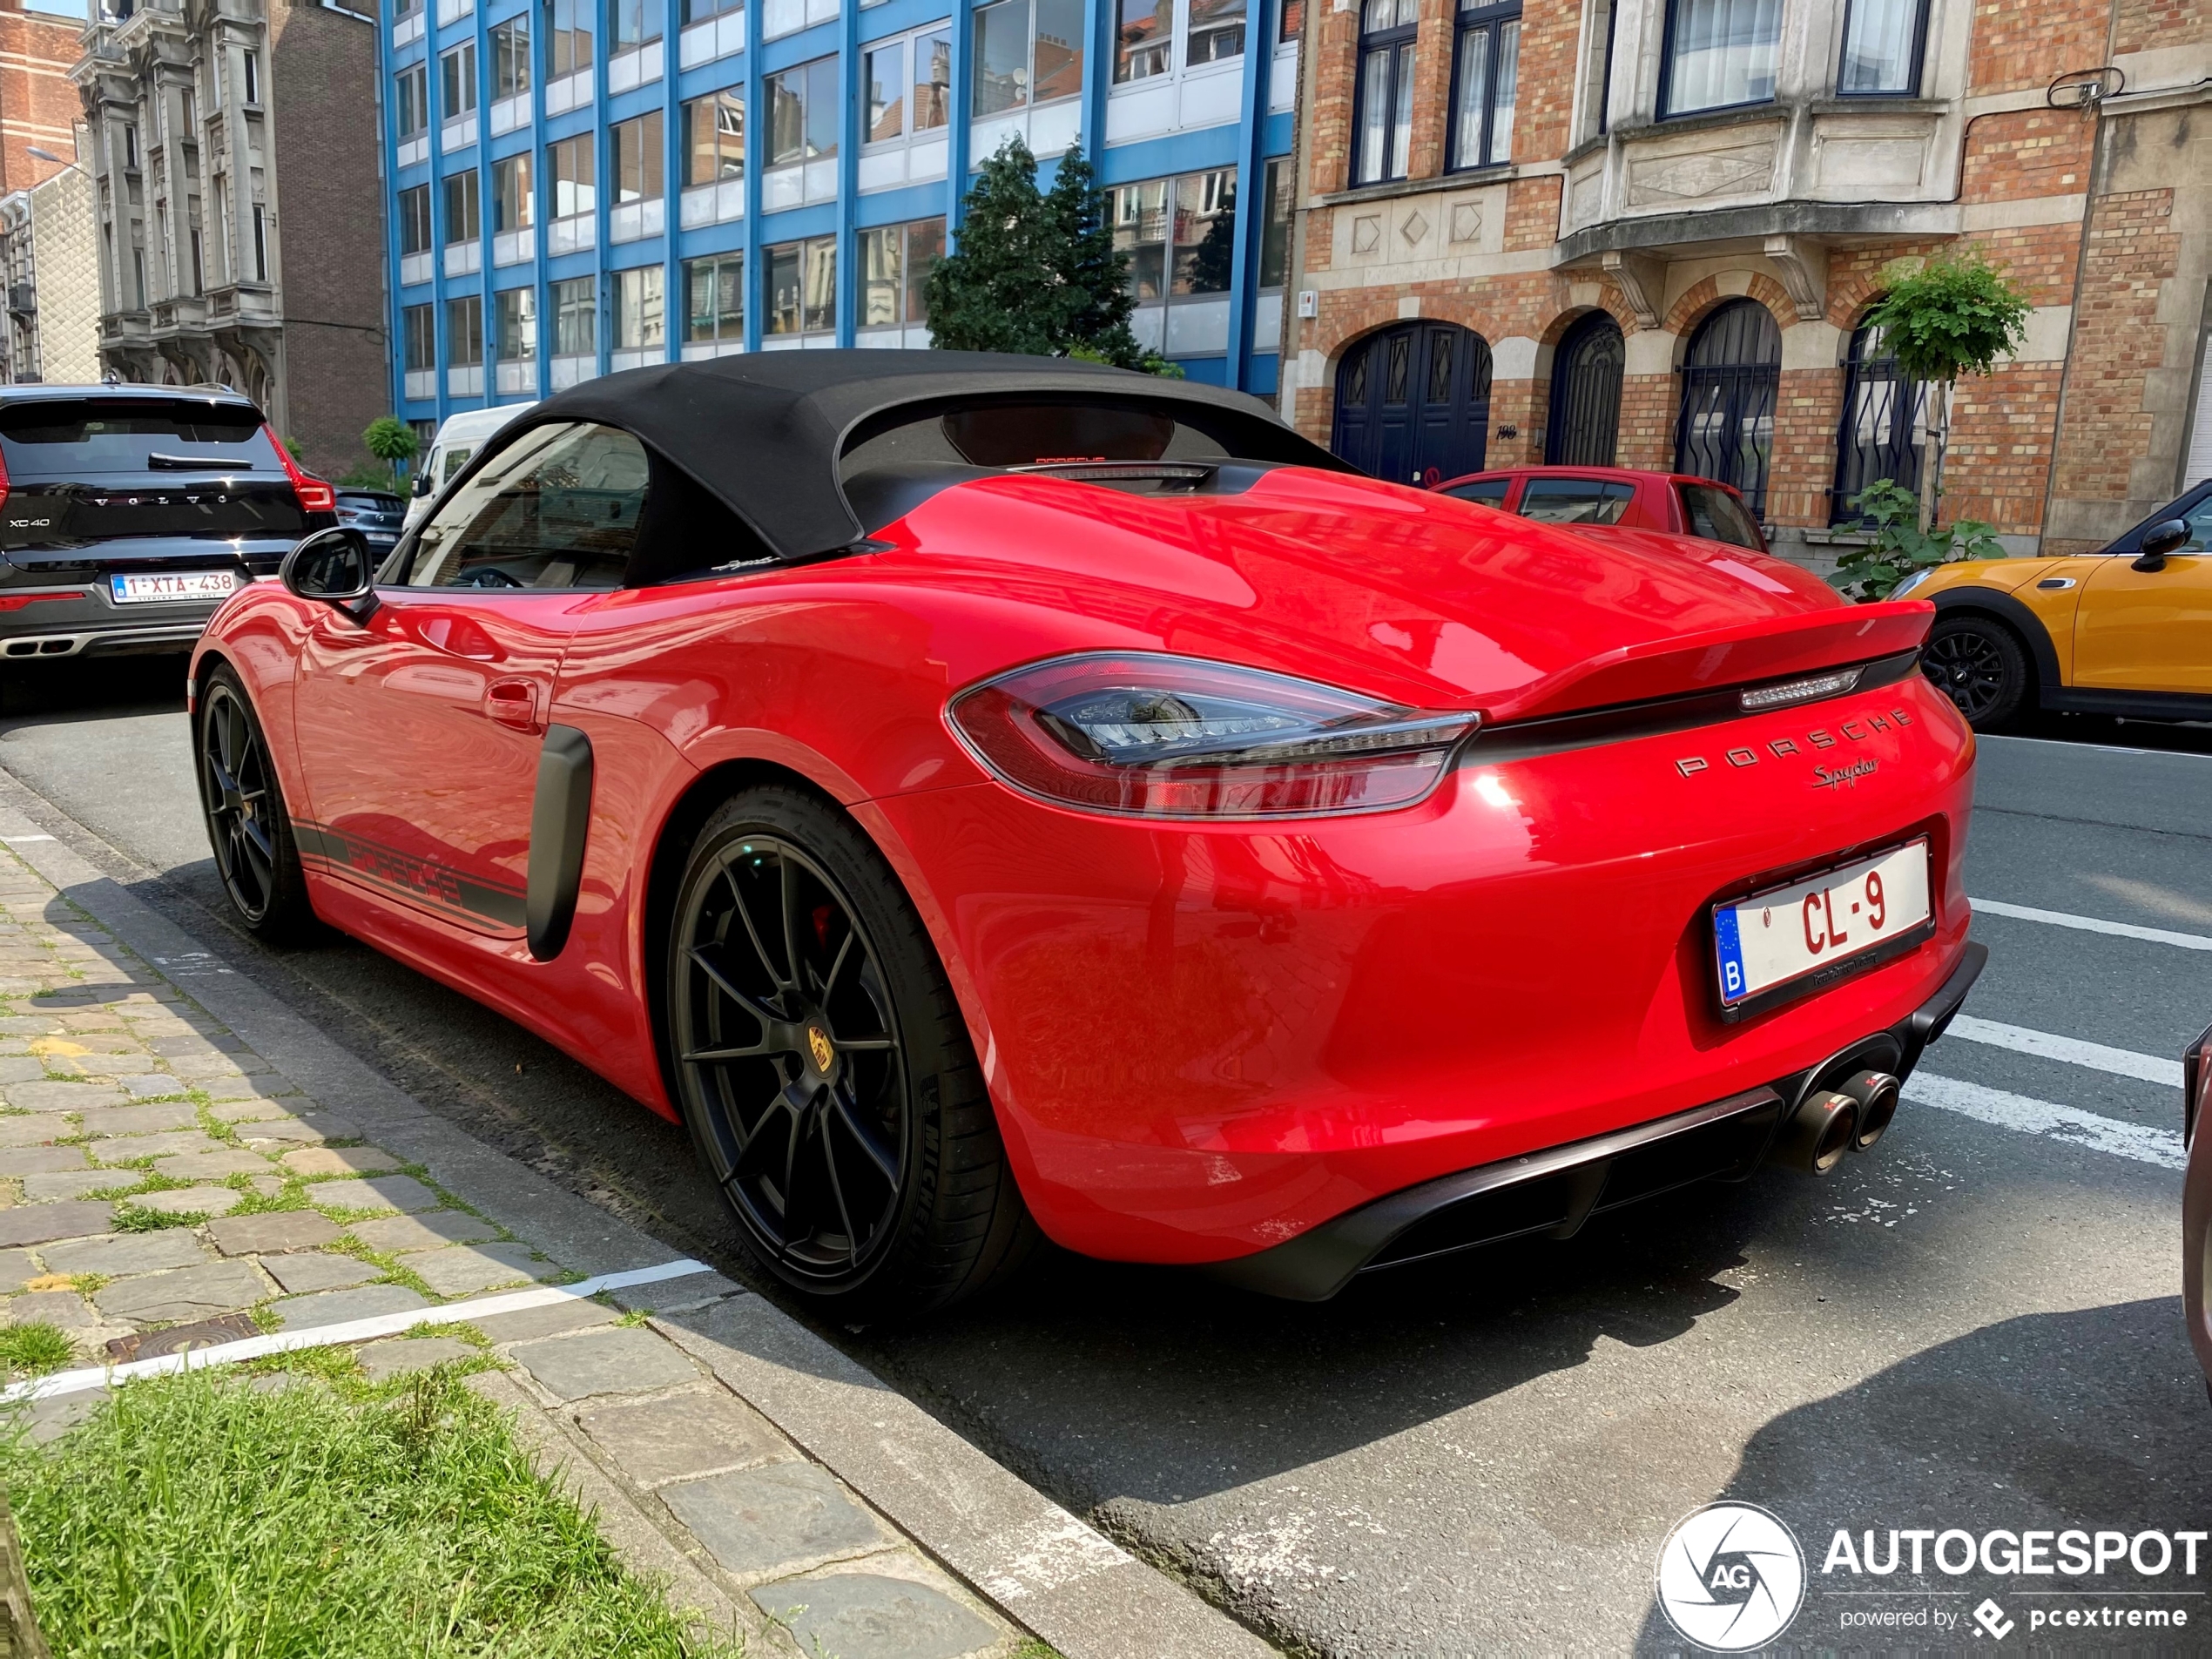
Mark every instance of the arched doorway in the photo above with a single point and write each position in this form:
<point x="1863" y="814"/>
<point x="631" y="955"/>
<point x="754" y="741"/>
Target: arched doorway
<point x="1413" y="403"/>
<point x="1729" y="383"/>
<point x="1879" y="434"/>
<point x="1585" y="425"/>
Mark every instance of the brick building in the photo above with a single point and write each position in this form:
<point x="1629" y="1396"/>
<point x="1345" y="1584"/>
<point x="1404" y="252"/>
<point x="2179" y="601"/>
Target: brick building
<point x="1647" y="232"/>
<point x="241" y="225"/>
<point x="38" y="104"/>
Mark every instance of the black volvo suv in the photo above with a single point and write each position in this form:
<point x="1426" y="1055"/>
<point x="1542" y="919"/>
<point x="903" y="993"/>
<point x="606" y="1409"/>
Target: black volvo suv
<point x="128" y="513"/>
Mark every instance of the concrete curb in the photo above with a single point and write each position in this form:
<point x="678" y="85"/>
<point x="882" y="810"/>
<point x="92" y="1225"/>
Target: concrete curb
<point x="1037" y="1563"/>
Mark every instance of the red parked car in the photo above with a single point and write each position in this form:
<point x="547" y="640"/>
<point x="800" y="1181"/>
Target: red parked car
<point x="981" y="795"/>
<point x="1654" y="501"/>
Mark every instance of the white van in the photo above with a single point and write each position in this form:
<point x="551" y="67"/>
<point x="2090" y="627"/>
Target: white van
<point x="457" y="440"/>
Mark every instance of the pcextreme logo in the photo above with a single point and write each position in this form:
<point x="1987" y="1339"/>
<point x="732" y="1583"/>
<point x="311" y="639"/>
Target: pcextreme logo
<point x="1731" y="1577"/>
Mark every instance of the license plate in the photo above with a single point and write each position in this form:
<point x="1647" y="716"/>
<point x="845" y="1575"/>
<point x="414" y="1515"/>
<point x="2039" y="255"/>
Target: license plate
<point x="169" y="587"/>
<point x="1795" y="939"/>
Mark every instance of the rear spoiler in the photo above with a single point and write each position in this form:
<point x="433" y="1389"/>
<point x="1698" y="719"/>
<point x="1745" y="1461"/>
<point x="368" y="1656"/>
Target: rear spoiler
<point x="1708" y="662"/>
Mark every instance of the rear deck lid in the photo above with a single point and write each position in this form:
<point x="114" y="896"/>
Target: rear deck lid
<point x="164" y="475"/>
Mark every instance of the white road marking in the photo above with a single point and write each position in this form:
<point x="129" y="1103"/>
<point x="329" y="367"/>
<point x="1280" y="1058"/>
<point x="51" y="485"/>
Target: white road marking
<point x="2140" y="1141"/>
<point x="2088" y="748"/>
<point x="2121" y="1062"/>
<point x="327" y="1336"/>
<point x="17" y="841"/>
<point x="2096" y="925"/>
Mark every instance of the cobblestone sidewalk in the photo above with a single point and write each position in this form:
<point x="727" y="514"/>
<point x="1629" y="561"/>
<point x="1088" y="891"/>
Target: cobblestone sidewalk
<point x="159" y="1181"/>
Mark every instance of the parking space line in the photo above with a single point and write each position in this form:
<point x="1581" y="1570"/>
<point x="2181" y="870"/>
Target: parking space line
<point x="2141" y="1141"/>
<point x="2094" y="925"/>
<point x="2045" y="1045"/>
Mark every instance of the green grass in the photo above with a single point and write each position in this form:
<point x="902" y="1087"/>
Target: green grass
<point x="137" y="1218"/>
<point x="198" y="1517"/>
<point x="35" y="1346"/>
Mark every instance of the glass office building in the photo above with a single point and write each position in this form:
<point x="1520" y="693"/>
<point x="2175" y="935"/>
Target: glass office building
<point x="585" y="186"/>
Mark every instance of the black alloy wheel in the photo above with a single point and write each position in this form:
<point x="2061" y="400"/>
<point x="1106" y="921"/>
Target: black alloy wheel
<point x="1979" y="664"/>
<point x="247" y="825"/>
<point x="824" y="1070"/>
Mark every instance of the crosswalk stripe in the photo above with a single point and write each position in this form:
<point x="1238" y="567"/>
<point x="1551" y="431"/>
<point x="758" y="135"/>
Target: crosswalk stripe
<point x="2094" y="925"/>
<point x="2141" y="1141"/>
<point x="2121" y="1062"/>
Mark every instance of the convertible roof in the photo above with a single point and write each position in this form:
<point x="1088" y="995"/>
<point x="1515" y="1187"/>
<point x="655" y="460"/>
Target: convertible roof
<point x="764" y="432"/>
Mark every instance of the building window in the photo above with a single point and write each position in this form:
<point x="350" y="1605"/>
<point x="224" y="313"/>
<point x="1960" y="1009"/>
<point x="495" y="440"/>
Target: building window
<point x="802" y="133"/>
<point x="1291" y="23"/>
<point x="700" y="10"/>
<point x="1179" y="235"/>
<point x="1597" y="64"/>
<point x="634" y="154"/>
<point x="576" y="318"/>
<point x="895" y="263"/>
<point x="410" y="100"/>
<point x="568" y="38"/>
<point x="131" y="147"/>
<point x="510" y="58"/>
<point x="414" y="221"/>
<point x="1730" y="381"/>
<point x="419" y="336"/>
<point x="1143" y="39"/>
<point x="802" y="286"/>
<point x="1383" y="125"/>
<point x="714" y="139"/>
<point x="513" y="202"/>
<point x="249" y="63"/>
<point x="1879" y="436"/>
<point x="457" y="81"/>
<point x="1217" y="32"/>
<point x="714" y="300"/>
<point x="1275" y="226"/>
<point x="465" y="332"/>
<point x="1883" y="43"/>
<point x="1585" y="421"/>
<point x="515" y="327"/>
<point x="640" y="322"/>
<point x="899" y="108"/>
<point x="1484" y="73"/>
<point x="635" y="22"/>
<point x="260" y="244"/>
<point x="405" y="8"/>
<point x="1720" y="53"/>
<point x="198" y="267"/>
<point x="464" y="221"/>
<point x="575" y="186"/>
<point x="1027" y="52"/>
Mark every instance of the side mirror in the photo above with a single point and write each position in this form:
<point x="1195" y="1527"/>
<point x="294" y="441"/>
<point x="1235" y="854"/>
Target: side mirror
<point x="2160" y="540"/>
<point x="333" y="567"/>
<point x="421" y="484"/>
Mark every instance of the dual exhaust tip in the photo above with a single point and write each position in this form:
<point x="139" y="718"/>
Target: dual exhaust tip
<point x="1850" y="1117"/>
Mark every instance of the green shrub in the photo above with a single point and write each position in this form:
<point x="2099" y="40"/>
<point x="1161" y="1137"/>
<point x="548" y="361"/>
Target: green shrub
<point x="1900" y="546"/>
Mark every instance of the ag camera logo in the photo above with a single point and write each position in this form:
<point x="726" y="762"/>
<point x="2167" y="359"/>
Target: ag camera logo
<point x="1731" y="1577"/>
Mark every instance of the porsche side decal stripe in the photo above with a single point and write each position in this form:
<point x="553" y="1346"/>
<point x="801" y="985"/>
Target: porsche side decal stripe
<point x="2045" y="1045"/>
<point x="2094" y="925"/>
<point x="409" y="873"/>
<point x="2142" y="1142"/>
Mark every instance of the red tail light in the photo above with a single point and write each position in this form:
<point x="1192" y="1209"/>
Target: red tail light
<point x="3" y="481"/>
<point x="1175" y="736"/>
<point x="315" y="496"/>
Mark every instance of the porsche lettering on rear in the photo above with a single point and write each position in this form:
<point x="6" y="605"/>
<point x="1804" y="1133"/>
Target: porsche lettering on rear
<point x="1858" y="729"/>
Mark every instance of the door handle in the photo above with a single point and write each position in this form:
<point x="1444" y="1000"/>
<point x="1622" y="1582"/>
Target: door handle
<point x="513" y="702"/>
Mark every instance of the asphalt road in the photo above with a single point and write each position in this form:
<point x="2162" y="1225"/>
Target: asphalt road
<point x="1976" y="1326"/>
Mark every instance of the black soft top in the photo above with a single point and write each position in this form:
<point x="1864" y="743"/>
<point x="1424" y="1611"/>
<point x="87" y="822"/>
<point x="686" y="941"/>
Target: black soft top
<point x="764" y="433"/>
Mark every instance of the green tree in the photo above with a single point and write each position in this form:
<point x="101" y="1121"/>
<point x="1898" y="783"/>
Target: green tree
<point x="1941" y="317"/>
<point x="1900" y="547"/>
<point x="1035" y="271"/>
<point x="391" y="441"/>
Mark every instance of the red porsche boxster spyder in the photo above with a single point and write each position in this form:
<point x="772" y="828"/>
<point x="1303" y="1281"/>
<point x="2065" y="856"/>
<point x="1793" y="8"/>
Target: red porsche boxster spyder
<point x="986" y="796"/>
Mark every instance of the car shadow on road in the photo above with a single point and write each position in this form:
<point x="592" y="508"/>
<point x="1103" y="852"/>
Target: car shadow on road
<point x="1178" y="1387"/>
<point x="2093" y="1419"/>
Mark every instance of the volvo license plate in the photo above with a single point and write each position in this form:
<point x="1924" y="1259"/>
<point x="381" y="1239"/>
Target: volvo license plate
<point x="171" y="587"/>
<point x="1792" y="940"/>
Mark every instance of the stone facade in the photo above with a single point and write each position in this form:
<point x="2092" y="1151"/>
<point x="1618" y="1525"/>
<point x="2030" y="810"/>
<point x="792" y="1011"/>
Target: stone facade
<point x="2097" y="200"/>
<point x="50" y="266"/>
<point x="240" y="229"/>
